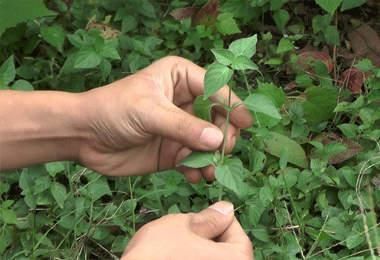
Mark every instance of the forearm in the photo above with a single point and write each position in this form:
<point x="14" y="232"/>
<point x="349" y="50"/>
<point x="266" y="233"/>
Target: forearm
<point x="41" y="126"/>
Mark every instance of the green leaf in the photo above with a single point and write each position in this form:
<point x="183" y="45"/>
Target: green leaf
<point x="284" y="45"/>
<point x="59" y="193"/>
<point x="244" y="47"/>
<point x="262" y="104"/>
<point x="22" y="85"/>
<point x="8" y="216"/>
<point x="332" y="35"/>
<point x="223" y="56"/>
<point x="230" y="175"/>
<point x="329" y="6"/>
<point x="7" y="72"/>
<point x="128" y="24"/>
<point x="87" y="59"/>
<point x="6" y="238"/>
<point x="98" y="188"/>
<point x="350" y="4"/>
<point x="54" y="35"/>
<point x="198" y="160"/>
<point x="281" y="18"/>
<point x="109" y="50"/>
<point x="320" y="104"/>
<point x="226" y="24"/>
<point x="266" y="195"/>
<point x="349" y="130"/>
<point x="273" y="92"/>
<point x="354" y="240"/>
<point x="217" y="76"/>
<point x="320" y="22"/>
<point x="146" y="8"/>
<point x="277" y="4"/>
<point x="243" y="63"/>
<point x="365" y="65"/>
<point x="55" y="167"/>
<point x="13" y="12"/>
<point x="274" y="145"/>
<point x="202" y="108"/>
<point x="261" y="234"/>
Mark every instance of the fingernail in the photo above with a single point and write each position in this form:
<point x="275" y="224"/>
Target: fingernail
<point x="211" y="137"/>
<point x="223" y="207"/>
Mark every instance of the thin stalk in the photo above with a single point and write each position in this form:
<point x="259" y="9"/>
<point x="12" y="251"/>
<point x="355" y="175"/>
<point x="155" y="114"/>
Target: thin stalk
<point x="225" y="134"/>
<point x="246" y="82"/>
<point x="134" y="208"/>
<point x="227" y="124"/>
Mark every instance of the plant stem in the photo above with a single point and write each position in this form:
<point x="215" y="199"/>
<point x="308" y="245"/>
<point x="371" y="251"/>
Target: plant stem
<point x="134" y="208"/>
<point x="225" y="133"/>
<point x="246" y="82"/>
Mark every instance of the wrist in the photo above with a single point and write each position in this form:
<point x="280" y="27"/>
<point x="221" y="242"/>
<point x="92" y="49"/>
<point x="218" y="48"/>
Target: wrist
<point x="41" y="126"/>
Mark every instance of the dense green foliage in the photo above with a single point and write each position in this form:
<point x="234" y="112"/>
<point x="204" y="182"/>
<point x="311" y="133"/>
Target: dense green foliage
<point x="304" y="178"/>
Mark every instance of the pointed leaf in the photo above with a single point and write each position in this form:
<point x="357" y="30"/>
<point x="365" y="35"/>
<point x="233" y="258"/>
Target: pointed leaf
<point x="54" y="35"/>
<point x="223" y="56"/>
<point x="320" y="104"/>
<point x="226" y="24"/>
<point x="217" y="76"/>
<point x="274" y="145"/>
<point x="59" y="193"/>
<point x="329" y="6"/>
<point x="87" y="59"/>
<point x="7" y="72"/>
<point x="262" y="104"/>
<point x="245" y="46"/>
<point x="230" y="175"/>
<point x="350" y="4"/>
<point x="243" y="63"/>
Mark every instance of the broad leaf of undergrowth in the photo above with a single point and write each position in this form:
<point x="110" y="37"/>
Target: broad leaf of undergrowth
<point x="350" y="4"/>
<point x="275" y="144"/>
<point x="329" y="6"/>
<point x="320" y="104"/>
<point x="230" y="175"/>
<point x="54" y="35"/>
<point x="13" y="12"/>
<point x="262" y="104"/>
<point x="7" y="72"/>
<point x="59" y="193"/>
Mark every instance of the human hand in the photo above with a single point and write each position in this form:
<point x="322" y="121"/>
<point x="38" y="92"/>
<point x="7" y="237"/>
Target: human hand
<point x="144" y="123"/>
<point x="213" y="233"/>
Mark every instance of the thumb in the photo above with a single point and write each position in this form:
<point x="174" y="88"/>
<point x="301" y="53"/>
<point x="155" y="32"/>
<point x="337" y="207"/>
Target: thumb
<point x="213" y="221"/>
<point x="176" y="124"/>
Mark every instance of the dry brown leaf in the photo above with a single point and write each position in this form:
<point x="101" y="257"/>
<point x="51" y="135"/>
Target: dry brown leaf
<point x="353" y="79"/>
<point x="208" y="13"/>
<point x="183" y="13"/>
<point x="305" y="58"/>
<point x="205" y="15"/>
<point x="352" y="148"/>
<point x="365" y="43"/>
